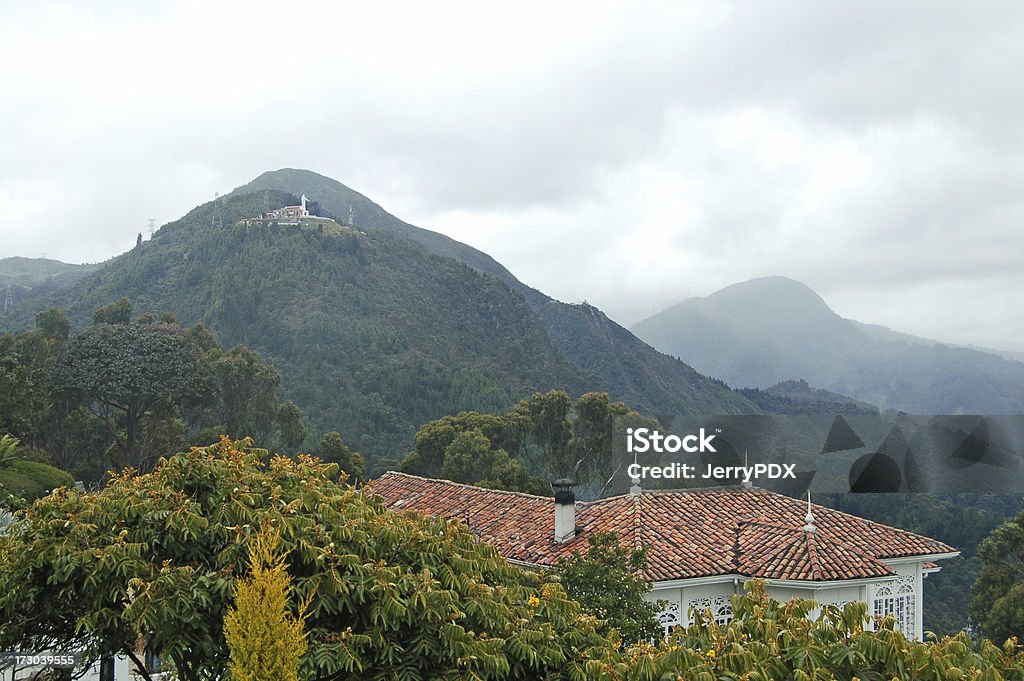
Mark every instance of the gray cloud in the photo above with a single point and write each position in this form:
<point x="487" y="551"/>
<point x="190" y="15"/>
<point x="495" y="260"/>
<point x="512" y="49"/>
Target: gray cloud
<point x="630" y="155"/>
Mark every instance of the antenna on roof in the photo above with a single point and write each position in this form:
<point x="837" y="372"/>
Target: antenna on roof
<point x="809" y="519"/>
<point x="746" y="483"/>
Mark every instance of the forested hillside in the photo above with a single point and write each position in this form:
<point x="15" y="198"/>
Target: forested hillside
<point x="373" y="333"/>
<point x="609" y="357"/>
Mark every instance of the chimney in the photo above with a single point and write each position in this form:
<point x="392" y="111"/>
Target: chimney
<point x="565" y="510"/>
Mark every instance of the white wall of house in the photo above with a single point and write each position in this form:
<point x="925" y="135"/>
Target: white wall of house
<point x="900" y="596"/>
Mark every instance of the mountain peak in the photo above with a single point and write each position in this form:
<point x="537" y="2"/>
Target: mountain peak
<point x="778" y="292"/>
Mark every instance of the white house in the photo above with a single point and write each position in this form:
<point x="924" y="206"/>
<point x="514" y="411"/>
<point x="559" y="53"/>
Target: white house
<point x="702" y="545"/>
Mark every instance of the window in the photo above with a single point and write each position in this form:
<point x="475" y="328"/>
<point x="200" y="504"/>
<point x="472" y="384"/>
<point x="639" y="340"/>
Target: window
<point x="720" y="607"/>
<point x="669" y="618"/>
<point x="897" y="598"/>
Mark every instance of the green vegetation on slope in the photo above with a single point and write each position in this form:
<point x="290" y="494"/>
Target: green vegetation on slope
<point x="608" y="356"/>
<point x="373" y="334"/>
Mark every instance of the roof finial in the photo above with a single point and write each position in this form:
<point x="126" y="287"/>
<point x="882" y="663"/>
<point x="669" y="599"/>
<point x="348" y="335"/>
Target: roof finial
<point x="809" y="519"/>
<point x="635" y="487"/>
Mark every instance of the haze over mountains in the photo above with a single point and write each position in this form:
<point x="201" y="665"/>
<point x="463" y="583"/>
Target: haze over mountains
<point x="380" y="328"/>
<point x="760" y="332"/>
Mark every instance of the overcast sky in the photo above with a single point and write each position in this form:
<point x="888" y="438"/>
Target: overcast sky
<point x="631" y="155"/>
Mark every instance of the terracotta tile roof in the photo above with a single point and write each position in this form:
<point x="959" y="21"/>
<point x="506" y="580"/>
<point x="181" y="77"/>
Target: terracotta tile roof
<point x="688" y="533"/>
<point x="776" y="552"/>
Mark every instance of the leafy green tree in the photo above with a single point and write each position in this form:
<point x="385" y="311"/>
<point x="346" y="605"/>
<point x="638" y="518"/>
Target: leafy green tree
<point x="591" y="445"/>
<point x="246" y="389"/>
<point x="770" y="640"/>
<point x="540" y="439"/>
<point x="265" y="639"/>
<point x="54" y="324"/>
<point x="551" y="429"/>
<point x="118" y="312"/>
<point x="468" y="458"/>
<point x="289" y="423"/>
<point x="333" y="449"/>
<point x="390" y="595"/>
<point x="604" y="580"/>
<point x="125" y="394"/>
<point x="125" y="371"/>
<point x="997" y="602"/>
<point x="24" y="384"/>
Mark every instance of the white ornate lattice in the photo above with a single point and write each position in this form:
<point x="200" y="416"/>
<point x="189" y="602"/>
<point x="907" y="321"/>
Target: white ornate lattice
<point x="669" y="617"/>
<point x="720" y="607"/>
<point x="898" y="598"/>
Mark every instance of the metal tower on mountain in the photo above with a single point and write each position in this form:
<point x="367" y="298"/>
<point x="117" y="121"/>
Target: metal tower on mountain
<point x="217" y="220"/>
<point x="8" y="300"/>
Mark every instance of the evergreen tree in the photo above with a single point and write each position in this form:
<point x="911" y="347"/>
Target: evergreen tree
<point x="265" y="639"/>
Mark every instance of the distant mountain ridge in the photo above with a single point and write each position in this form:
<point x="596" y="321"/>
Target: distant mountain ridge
<point x="764" y="331"/>
<point x="26" y="278"/>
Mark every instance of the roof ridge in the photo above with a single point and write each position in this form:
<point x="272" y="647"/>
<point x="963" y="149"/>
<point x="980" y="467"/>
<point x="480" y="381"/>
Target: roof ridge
<point x="776" y="549"/>
<point x="812" y="553"/>
<point x="464" y="484"/>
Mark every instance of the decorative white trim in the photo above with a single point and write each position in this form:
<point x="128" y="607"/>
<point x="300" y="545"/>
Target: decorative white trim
<point x="720" y="606"/>
<point x="928" y="558"/>
<point x="669" y="617"/>
<point x="898" y="597"/>
<point x="699" y="581"/>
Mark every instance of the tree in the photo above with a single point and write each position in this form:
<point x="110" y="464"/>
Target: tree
<point x="289" y="424"/>
<point x="540" y="439"/>
<point x="997" y="601"/>
<point x="391" y="595"/>
<point x="551" y="429"/>
<point x="468" y="458"/>
<point x="605" y="581"/>
<point x="333" y="449"/>
<point x="769" y="640"/>
<point x="125" y="371"/>
<point x="247" y="388"/>
<point x="24" y="378"/>
<point x="118" y="312"/>
<point x="266" y="641"/>
<point x="54" y="324"/>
